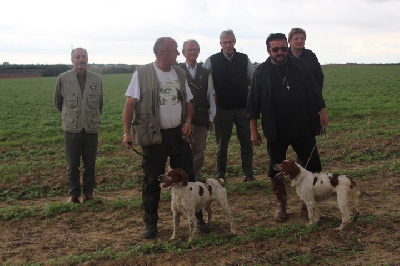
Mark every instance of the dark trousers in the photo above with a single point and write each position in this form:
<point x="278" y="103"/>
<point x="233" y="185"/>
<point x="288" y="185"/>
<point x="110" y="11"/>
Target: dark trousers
<point x="154" y="163"/>
<point x="224" y="120"/>
<point x="303" y="146"/>
<point x="81" y="145"/>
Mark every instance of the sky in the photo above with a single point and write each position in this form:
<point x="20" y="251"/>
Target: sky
<point x="124" y="31"/>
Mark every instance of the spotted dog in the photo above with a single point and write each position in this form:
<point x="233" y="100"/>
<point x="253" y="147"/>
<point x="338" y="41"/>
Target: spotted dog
<point x="315" y="187"/>
<point x="191" y="197"/>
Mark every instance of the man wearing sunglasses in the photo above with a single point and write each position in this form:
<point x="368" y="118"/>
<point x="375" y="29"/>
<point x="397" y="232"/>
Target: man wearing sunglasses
<point x="292" y="109"/>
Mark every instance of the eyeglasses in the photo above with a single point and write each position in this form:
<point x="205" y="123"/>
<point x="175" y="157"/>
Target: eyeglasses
<point x="283" y="49"/>
<point x="228" y="43"/>
<point x="192" y="50"/>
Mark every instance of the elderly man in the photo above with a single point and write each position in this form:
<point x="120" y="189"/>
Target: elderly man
<point x="292" y="109"/>
<point x="159" y="110"/>
<point x="231" y="73"/>
<point x="203" y="101"/>
<point x="79" y="98"/>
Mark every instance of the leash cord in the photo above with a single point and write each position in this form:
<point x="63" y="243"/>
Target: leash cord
<point x="323" y="132"/>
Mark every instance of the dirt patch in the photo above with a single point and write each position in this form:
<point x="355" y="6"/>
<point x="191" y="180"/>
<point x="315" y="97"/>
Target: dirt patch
<point x="362" y="242"/>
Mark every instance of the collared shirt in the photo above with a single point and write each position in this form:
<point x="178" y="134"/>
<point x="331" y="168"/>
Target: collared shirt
<point x="192" y="70"/>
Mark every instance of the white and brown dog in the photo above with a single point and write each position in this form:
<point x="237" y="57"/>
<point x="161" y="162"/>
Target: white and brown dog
<point x="315" y="187"/>
<point x="191" y="197"/>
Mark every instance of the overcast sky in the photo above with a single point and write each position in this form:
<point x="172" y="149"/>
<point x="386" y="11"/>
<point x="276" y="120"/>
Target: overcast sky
<point x="124" y="31"/>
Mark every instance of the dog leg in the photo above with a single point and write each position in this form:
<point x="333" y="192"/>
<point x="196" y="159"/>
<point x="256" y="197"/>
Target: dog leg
<point x="192" y="224"/>
<point x="225" y="206"/>
<point x="175" y="220"/>
<point x="313" y="214"/>
<point x="209" y="213"/>
<point x="345" y="209"/>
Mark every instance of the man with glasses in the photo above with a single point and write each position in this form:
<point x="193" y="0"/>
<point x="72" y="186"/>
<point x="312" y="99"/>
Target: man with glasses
<point x="292" y="109"/>
<point x="231" y="73"/>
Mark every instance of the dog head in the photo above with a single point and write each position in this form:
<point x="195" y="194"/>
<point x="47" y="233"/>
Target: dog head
<point x="173" y="178"/>
<point x="287" y="168"/>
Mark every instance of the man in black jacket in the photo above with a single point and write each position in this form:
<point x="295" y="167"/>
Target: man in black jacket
<point x="231" y="73"/>
<point x="292" y="109"/>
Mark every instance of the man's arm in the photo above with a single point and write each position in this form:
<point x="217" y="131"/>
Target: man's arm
<point x="127" y="116"/>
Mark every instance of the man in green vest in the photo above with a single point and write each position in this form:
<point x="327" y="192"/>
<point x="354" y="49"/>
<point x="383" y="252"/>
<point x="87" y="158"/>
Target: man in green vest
<point x="159" y="113"/>
<point x="79" y="98"/>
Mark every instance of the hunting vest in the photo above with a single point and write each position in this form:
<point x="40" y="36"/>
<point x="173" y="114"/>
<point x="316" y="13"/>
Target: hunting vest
<point x="81" y="110"/>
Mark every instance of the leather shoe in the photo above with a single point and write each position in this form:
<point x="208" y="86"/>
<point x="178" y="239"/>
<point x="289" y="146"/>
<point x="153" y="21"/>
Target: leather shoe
<point x="203" y="227"/>
<point x="150" y="233"/>
<point x="74" y="199"/>
<point x="249" y="178"/>
<point x="87" y="198"/>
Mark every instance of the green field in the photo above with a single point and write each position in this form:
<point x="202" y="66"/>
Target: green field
<point x="38" y="226"/>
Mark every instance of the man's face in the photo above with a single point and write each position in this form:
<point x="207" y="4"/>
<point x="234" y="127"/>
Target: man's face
<point x="171" y="52"/>
<point x="278" y="51"/>
<point x="228" y="44"/>
<point x="79" y="60"/>
<point x="191" y="51"/>
<point x="298" y="41"/>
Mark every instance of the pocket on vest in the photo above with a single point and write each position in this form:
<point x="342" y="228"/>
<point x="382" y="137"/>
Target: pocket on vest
<point x="93" y="101"/>
<point x="71" y="100"/>
<point x="69" y="121"/>
<point x="146" y="131"/>
<point x="93" y="120"/>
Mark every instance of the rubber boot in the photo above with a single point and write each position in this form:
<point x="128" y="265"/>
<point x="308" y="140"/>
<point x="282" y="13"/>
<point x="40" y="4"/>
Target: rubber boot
<point x="150" y="226"/>
<point x="201" y="225"/>
<point x="279" y="189"/>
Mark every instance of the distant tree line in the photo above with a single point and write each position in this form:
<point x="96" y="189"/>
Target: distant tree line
<point x="55" y="70"/>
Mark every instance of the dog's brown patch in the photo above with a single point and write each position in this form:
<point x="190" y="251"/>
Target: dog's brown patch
<point x="201" y="191"/>
<point x="210" y="190"/>
<point x="314" y="181"/>
<point x="334" y="179"/>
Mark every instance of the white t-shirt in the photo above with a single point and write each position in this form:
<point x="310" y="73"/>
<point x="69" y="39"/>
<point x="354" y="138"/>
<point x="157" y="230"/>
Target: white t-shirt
<point x="170" y="100"/>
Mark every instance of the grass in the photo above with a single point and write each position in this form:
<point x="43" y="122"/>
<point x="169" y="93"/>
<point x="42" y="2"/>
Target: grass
<point x="364" y="134"/>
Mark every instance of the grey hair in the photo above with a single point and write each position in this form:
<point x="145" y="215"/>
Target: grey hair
<point x="78" y="48"/>
<point x="294" y="31"/>
<point x="160" y="44"/>
<point x="190" y="40"/>
<point x="227" y="32"/>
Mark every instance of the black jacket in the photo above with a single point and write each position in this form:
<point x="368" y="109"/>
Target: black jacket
<point x="312" y="61"/>
<point x="259" y="101"/>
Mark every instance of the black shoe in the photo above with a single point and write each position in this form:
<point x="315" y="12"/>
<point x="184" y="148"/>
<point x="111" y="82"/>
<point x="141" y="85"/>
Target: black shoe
<point x="203" y="228"/>
<point x="249" y="178"/>
<point x="150" y="233"/>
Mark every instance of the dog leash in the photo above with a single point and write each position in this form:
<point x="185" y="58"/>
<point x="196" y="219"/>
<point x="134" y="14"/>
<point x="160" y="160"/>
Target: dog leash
<point x="136" y="151"/>
<point x="323" y="132"/>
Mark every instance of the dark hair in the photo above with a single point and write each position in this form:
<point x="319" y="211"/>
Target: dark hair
<point x="294" y="31"/>
<point x="275" y="37"/>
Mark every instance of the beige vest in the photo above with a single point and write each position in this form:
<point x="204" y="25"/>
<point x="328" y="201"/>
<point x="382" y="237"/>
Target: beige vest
<point x="80" y="111"/>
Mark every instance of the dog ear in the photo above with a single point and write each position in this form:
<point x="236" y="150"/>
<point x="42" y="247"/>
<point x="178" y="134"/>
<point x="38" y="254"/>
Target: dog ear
<point x="294" y="170"/>
<point x="184" y="177"/>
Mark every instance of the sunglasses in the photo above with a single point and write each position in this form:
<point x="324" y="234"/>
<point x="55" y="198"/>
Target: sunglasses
<point x="283" y="49"/>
